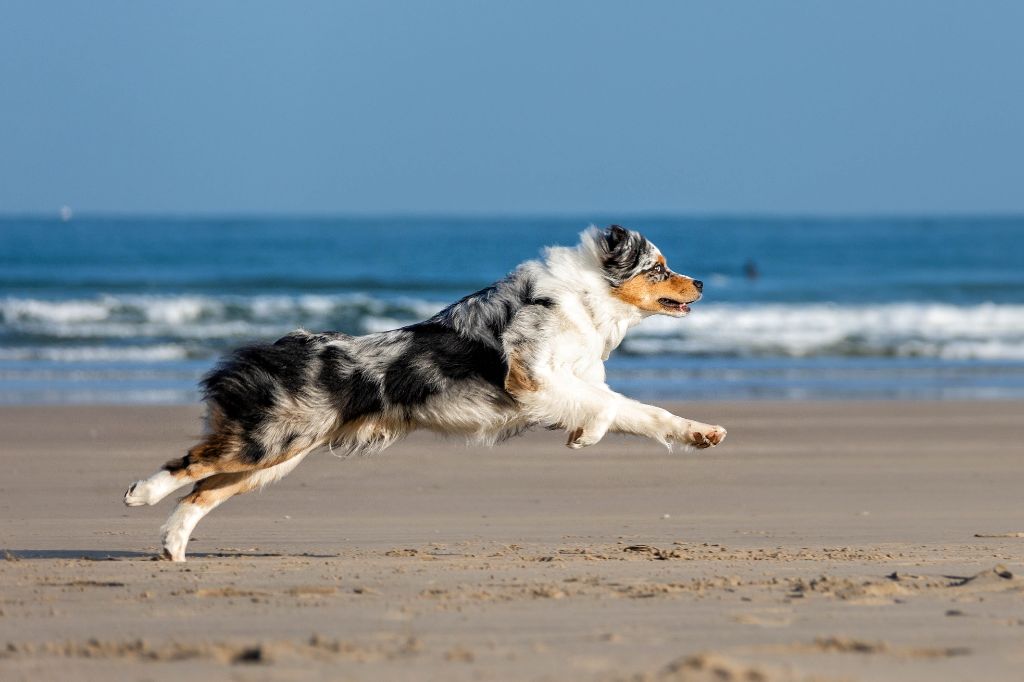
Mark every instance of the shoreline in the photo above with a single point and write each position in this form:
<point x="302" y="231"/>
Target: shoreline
<point x="646" y="377"/>
<point x="868" y="540"/>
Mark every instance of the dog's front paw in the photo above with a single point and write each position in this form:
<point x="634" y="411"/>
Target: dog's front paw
<point x="578" y="438"/>
<point x="704" y="436"/>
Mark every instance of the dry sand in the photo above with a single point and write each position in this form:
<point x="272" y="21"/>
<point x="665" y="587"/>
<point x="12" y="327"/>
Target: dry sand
<point x="857" y="541"/>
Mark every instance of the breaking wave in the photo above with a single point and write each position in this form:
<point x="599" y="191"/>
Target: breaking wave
<point x="984" y="331"/>
<point x="199" y="318"/>
<point x="150" y="328"/>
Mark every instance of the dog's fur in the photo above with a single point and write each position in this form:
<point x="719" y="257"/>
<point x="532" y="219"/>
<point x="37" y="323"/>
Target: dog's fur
<point x="526" y="351"/>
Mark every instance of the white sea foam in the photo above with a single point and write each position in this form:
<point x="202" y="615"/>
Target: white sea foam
<point x="373" y="325"/>
<point x="176" y="310"/>
<point x="161" y="353"/>
<point x="984" y="331"/>
<point x="13" y="310"/>
<point x="201" y="317"/>
<point x="206" y="325"/>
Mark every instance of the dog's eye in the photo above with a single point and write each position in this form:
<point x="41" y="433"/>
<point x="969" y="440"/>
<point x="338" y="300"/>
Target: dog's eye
<point x="658" y="269"/>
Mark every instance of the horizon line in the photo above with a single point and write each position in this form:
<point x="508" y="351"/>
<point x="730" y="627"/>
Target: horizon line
<point x="58" y="215"/>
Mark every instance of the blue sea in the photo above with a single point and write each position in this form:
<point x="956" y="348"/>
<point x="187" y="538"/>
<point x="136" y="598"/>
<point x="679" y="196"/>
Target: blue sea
<point x="136" y="309"/>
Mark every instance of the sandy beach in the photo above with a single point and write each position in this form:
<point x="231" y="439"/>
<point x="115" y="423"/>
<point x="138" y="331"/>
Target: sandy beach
<point x="825" y="541"/>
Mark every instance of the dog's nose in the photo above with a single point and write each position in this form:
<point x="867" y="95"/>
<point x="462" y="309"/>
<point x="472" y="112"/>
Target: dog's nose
<point x="699" y="284"/>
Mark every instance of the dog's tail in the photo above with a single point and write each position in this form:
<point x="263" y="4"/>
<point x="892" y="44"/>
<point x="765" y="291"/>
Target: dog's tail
<point x="258" y="411"/>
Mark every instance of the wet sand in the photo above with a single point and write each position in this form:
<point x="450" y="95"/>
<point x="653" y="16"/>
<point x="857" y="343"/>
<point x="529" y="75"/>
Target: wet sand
<point x="824" y="541"/>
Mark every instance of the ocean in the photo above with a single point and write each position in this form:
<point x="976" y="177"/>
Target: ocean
<point x="136" y="309"/>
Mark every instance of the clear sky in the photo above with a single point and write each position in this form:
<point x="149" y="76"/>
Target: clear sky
<point x="512" y="107"/>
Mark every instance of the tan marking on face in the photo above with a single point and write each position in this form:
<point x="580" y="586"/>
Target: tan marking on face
<point x="644" y="294"/>
<point x="518" y="380"/>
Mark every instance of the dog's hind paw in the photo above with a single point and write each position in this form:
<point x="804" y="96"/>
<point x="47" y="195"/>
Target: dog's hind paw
<point x="137" y="495"/>
<point x="144" y="492"/>
<point x="175" y="538"/>
<point x="175" y="553"/>
<point x="151" y="490"/>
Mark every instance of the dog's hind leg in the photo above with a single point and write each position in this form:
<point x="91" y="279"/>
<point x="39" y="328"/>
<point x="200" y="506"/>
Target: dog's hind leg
<point x="177" y="473"/>
<point x="218" y="453"/>
<point x="210" y="493"/>
<point x="153" y="489"/>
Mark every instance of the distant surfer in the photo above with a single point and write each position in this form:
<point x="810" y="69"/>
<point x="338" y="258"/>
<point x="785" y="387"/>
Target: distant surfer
<point x="750" y="270"/>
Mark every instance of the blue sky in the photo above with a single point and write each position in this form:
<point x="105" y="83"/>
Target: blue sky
<point x="525" y="107"/>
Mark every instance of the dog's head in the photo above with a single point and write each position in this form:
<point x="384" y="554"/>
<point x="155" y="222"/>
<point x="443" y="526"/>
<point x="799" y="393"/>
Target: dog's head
<point x="638" y="274"/>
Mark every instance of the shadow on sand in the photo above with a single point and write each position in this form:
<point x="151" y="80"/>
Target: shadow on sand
<point x="122" y="555"/>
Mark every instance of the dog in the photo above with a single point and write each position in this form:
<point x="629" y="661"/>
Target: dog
<point x="526" y="351"/>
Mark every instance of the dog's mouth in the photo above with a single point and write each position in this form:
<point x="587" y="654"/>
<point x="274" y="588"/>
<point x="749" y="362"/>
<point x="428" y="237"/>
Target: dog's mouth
<point x="674" y="305"/>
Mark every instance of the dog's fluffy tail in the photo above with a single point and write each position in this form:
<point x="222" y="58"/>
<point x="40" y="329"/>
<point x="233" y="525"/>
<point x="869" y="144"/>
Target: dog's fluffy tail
<point x="258" y="402"/>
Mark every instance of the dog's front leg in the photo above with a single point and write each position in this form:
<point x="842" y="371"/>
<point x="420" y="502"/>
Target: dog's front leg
<point x="590" y="411"/>
<point x="586" y="410"/>
<point x="663" y="426"/>
<point x="597" y="424"/>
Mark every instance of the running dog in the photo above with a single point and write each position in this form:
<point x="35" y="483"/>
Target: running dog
<point x="526" y="351"/>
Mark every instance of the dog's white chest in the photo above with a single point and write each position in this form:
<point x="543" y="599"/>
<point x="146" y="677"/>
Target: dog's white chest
<point x="613" y="340"/>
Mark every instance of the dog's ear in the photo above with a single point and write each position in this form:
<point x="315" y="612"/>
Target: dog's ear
<point x="614" y="237"/>
<point x="617" y="250"/>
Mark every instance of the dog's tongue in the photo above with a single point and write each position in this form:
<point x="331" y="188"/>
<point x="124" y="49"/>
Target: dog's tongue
<point x="675" y="305"/>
